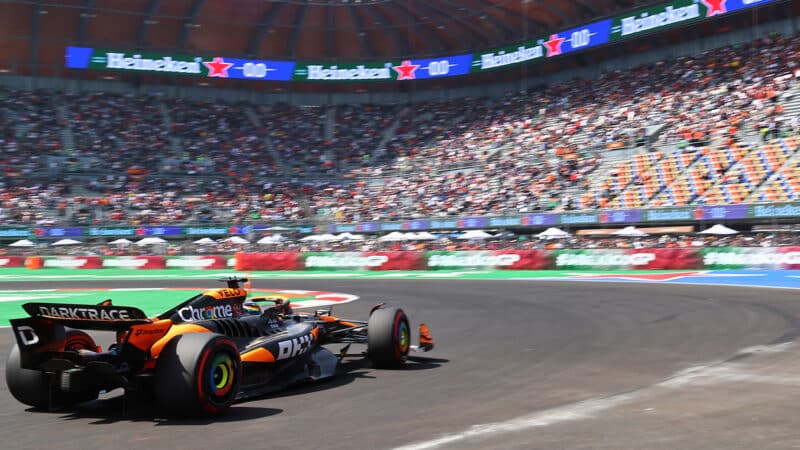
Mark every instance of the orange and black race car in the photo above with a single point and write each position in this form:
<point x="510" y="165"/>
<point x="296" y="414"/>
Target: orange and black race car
<point x="198" y="357"/>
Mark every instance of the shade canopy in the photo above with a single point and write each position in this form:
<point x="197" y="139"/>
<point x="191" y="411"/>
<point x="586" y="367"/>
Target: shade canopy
<point x="275" y="238"/>
<point x="630" y="231"/>
<point x="474" y="234"/>
<point x="22" y="243"/>
<point x="394" y="236"/>
<point x="553" y="233"/>
<point x="421" y="236"/>
<point x="121" y="241"/>
<point x="153" y="240"/>
<point x="327" y="237"/>
<point x="205" y="240"/>
<point x="66" y="242"/>
<point x="237" y="240"/>
<point x="350" y="237"/>
<point x="719" y="229"/>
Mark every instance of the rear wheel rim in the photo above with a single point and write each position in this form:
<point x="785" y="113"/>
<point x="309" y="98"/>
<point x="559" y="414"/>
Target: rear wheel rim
<point x="221" y="376"/>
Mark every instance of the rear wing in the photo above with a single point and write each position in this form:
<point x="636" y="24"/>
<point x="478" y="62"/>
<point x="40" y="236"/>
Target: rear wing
<point x="88" y="317"/>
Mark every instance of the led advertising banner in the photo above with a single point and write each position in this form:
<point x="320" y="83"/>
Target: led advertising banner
<point x="672" y="14"/>
<point x="625" y="26"/>
<point x="216" y="67"/>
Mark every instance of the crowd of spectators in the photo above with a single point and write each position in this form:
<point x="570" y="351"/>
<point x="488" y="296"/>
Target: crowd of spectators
<point x="217" y="138"/>
<point x="91" y="158"/>
<point x="552" y="135"/>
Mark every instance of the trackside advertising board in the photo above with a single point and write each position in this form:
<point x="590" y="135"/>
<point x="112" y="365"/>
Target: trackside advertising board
<point x="127" y="262"/>
<point x="625" y="26"/>
<point x="561" y="259"/>
<point x="700" y="214"/>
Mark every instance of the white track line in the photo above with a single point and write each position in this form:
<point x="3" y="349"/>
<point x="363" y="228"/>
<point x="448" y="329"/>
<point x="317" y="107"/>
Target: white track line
<point x="712" y="373"/>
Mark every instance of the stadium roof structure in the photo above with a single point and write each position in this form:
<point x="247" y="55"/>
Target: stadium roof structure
<point x="316" y="30"/>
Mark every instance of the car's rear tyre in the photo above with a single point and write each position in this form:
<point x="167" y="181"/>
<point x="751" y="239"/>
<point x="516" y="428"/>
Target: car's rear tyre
<point x="79" y="340"/>
<point x="31" y="387"/>
<point x="198" y="374"/>
<point x="35" y="388"/>
<point x="388" y="338"/>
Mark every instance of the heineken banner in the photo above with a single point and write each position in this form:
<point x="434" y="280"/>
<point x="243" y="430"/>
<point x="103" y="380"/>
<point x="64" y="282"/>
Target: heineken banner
<point x="673" y="14"/>
<point x="629" y="25"/>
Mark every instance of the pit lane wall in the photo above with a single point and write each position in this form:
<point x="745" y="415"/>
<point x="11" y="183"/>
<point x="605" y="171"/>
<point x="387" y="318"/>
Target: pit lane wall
<point x="569" y="259"/>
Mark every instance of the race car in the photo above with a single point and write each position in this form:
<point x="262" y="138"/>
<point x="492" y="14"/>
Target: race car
<point x="199" y="357"/>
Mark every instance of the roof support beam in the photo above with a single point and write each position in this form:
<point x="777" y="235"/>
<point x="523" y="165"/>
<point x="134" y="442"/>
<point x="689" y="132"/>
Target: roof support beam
<point x="298" y="24"/>
<point x="468" y="31"/>
<point x="377" y="15"/>
<point x="36" y="12"/>
<point x="83" y="20"/>
<point x="508" y="32"/>
<point x="141" y="35"/>
<point x="190" y="23"/>
<point x="366" y="45"/>
<point x="589" y="7"/>
<point x="531" y="24"/>
<point x="427" y="33"/>
<point x="264" y="26"/>
<point x="330" y="45"/>
<point x="554" y="10"/>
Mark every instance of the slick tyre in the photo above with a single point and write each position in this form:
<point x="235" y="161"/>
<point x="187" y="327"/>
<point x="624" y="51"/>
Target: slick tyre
<point x="388" y="338"/>
<point x="30" y="387"/>
<point x="34" y="388"/>
<point x="79" y="340"/>
<point x="198" y="374"/>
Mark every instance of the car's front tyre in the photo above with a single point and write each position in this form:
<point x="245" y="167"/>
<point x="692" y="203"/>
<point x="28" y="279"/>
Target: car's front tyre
<point x="388" y="338"/>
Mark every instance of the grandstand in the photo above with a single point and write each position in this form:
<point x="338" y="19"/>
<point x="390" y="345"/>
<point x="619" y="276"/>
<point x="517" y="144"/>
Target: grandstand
<point x="709" y="128"/>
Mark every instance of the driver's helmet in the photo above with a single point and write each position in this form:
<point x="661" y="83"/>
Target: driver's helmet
<point x="251" y="309"/>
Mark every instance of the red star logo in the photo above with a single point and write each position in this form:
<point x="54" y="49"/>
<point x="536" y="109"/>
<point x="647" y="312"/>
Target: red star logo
<point x="715" y="7"/>
<point x="554" y="45"/>
<point x="218" y="67"/>
<point x="406" y="70"/>
<point x="140" y="231"/>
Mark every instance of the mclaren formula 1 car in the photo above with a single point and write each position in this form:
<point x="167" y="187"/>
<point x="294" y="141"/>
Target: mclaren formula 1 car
<point x="198" y="357"/>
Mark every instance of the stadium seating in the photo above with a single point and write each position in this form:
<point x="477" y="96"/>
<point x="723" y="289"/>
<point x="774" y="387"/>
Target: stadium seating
<point x="689" y="127"/>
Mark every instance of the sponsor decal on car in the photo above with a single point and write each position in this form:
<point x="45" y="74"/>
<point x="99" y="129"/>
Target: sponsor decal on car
<point x="295" y="347"/>
<point x="191" y="313"/>
<point x="84" y="312"/>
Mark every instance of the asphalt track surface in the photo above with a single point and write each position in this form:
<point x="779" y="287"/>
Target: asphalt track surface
<point x="518" y="364"/>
